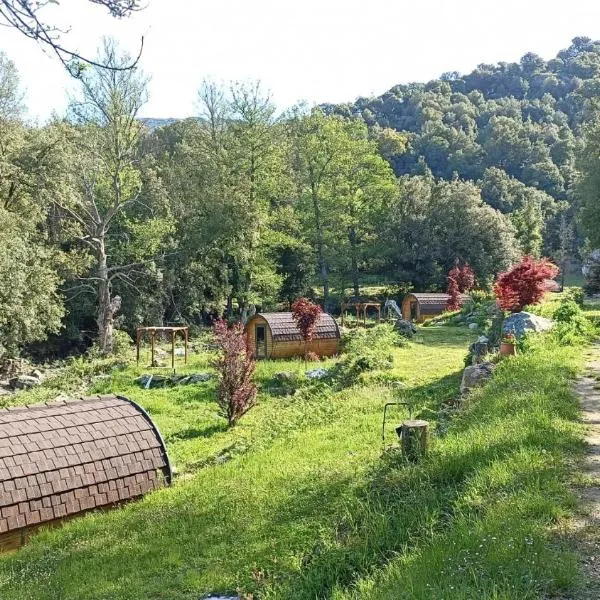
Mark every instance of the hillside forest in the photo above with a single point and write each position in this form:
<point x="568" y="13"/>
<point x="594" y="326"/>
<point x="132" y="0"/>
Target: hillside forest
<point x="109" y="221"/>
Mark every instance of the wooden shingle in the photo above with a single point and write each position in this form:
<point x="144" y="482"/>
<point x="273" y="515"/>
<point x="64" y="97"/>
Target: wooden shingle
<point x="61" y="459"/>
<point x="284" y="328"/>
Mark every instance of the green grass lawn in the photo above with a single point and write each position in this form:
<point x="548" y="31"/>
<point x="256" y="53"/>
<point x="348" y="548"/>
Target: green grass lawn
<point x="298" y="502"/>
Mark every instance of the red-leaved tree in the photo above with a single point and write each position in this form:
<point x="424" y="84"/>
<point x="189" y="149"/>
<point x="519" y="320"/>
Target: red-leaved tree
<point x="453" y="289"/>
<point x="236" y="393"/>
<point x="466" y="279"/>
<point x="306" y="314"/>
<point x="526" y="283"/>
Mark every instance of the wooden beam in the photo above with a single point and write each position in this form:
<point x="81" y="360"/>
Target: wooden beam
<point x="173" y="350"/>
<point x="185" y="336"/>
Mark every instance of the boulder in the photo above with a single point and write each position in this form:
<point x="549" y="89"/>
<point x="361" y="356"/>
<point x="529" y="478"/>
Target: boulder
<point x="199" y="378"/>
<point x="476" y="376"/>
<point x="284" y="383"/>
<point x="157" y="381"/>
<point x="479" y="349"/>
<point x="317" y="373"/>
<point x="285" y="377"/>
<point x="405" y="328"/>
<point x="523" y="322"/>
<point x="473" y="326"/>
<point x="23" y="382"/>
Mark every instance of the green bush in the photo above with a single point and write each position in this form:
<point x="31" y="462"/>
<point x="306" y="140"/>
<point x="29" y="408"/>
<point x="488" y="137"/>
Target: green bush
<point x="366" y="350"/>
<point x="572" y="327"/>
<point x="576" y="294"/>
<point x="566" y="312"/>
<point x="479" y="297"/>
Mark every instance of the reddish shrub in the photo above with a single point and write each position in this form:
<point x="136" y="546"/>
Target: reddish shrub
<point x="453" y="289"/>
<point x="236" y="393"/>
<point x="466" y="279"/>
<point x="306" y="314"/>
<point x="526" y="283"/>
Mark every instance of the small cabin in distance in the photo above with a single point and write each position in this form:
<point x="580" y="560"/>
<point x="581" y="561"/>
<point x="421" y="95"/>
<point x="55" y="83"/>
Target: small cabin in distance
<point x="418" y="307"/>
<point x="275" y="335"/>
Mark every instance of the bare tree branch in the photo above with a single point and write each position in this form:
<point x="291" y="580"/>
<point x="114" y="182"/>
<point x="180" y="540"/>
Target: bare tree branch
<point x="23" y="15"/>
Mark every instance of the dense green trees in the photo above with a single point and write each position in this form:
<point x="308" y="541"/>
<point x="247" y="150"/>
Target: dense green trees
<point x="342" y="184"/>
<point x="589" y="183"/>
<point x="26" y="264"/>
<point x="241" y="208"/>
<point x="27" y="259"/>
<point x="111" y="213"/>
<point x="434" y="224"/>
<point x="519" y="123"/>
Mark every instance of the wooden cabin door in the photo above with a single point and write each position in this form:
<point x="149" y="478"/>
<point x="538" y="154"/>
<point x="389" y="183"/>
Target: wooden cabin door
<point x="260" y="342"/>
<point x="414" y="311"/>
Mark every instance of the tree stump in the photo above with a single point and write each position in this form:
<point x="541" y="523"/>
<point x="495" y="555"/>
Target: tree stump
<point x="413" y="437"/>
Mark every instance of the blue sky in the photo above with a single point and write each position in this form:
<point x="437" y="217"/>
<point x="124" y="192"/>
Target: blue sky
<point x="311" y="50"/>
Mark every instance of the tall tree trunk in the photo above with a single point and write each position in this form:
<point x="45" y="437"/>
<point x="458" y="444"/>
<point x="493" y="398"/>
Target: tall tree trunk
<point x="323" y="267"/>
<point x="107" y="306"/>
<point x="352" y="238"/>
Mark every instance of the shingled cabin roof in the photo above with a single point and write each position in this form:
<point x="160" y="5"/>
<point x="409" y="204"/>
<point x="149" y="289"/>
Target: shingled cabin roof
<point x="433" y="303"/>
<point x="284" y="329"/>
<point x="60" y="459"/>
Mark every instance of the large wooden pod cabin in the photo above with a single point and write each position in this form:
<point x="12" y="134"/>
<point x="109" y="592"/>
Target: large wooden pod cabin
<point x="418" y="307"/>
<point x="62" y="459"/>
<point x="275" y="335"/>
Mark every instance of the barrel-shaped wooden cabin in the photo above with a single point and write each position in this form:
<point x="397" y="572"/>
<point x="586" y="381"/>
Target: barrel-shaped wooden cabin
<point x="275" y="335"/>
<point x="62" y="459"/>
<point x="419" y="307"/>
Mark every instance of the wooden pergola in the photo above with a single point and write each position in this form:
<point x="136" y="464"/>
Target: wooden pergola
<point x="141" y="331"/>
<point x="361" y="310"/>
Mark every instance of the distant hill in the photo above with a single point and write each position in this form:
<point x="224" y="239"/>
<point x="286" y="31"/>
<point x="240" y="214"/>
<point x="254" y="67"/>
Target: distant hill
<point x="153" y="123"/>
<point x="507" y="120"/>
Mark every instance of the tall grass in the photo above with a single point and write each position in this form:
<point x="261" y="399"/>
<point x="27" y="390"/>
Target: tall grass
<point x="310" y="508"/>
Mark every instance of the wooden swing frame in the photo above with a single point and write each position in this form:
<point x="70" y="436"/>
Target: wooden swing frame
<point x="142" y="331"/>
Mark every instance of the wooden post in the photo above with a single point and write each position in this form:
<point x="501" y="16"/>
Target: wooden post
<point x="173" y="350"/>
<point x="185" y="337"/>
<point x="137" y="344"/>
<point x="152" y="336"/>
<point x="413" y="436"/>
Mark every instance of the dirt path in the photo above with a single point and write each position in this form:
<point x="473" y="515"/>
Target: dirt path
<point x="586" y="528"/>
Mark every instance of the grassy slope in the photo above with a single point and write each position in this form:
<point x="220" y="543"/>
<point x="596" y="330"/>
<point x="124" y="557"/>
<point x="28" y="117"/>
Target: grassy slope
<point x="306" y="507"/>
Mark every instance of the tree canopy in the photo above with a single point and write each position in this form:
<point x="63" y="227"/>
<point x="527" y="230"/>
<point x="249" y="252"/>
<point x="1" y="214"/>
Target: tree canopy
<point x="242" y="208"/>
